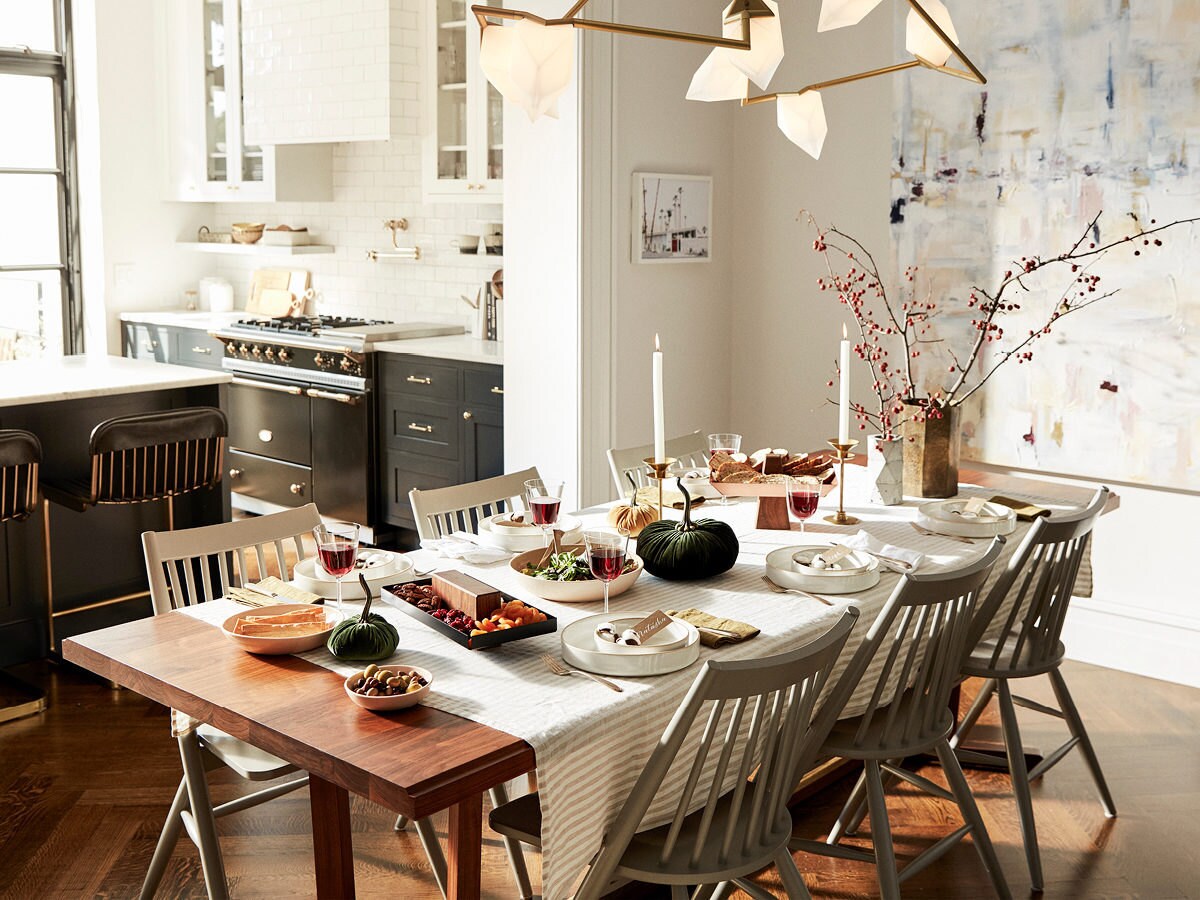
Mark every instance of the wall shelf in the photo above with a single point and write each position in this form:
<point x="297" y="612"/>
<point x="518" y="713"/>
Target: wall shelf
<point x="259" y="249"/>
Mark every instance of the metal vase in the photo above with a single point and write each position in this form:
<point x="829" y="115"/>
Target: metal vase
<point x="885" y="469"/>
<point x="931" y="449"/>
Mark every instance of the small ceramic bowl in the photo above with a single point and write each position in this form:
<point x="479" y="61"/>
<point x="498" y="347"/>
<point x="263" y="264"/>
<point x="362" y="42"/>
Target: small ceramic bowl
<point x="396" y="701"/>
<point x="247" y="232"/>
<point x="275" y="646"/>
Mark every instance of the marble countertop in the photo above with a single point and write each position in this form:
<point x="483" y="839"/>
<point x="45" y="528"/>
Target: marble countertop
<point x="186" y="318"/>
<point x="25" y="381"/>
<point x="461" y="347"/>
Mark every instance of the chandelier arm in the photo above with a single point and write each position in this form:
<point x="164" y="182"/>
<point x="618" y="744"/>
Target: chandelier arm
<point x="976" y="76"/>
<point x="947" y="70"/>
<point x="834" y="82"/>
<point x="484" y="13"/>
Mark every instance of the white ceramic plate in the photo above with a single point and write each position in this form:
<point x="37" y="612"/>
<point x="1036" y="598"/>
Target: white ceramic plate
<point x="527" y="537"/>
<point x="939" y="516"/>
<point x="571" y="591"/>
<point x="854" y="564"/>
<point x="275" y="646"/>
<point x="305" y="576"/>
<point x="372" y="563"/>
<point x="784" y="572"/>
<point x="673" y="636"/>
<point x="579" y="650"/>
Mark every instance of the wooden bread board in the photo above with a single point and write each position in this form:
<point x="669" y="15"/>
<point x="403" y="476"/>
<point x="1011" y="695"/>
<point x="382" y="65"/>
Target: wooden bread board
<point x="292" y="281"/>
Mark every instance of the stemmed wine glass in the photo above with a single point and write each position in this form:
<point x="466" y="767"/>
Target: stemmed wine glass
<point x="606" y="548"/>
<point x="337" y="549"/>
<point x="723" y="443"/>
<point x="803" y="493"/>
<point x="544" y="499"/>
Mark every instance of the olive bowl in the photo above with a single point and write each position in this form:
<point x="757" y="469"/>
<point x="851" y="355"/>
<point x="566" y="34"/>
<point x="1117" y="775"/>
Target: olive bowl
<point x="394" y="701"/>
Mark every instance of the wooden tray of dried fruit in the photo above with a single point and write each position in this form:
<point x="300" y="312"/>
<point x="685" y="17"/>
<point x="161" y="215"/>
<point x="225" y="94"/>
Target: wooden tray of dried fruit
<point x="403" y="598"/>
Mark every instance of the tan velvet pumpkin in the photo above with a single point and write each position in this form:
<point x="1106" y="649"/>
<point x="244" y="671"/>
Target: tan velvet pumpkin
<point x="634" y="515"/>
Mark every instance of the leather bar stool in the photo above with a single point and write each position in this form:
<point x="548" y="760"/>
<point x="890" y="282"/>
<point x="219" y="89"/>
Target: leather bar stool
<point x="20" y="456"/>
<point x="140" y="458"/>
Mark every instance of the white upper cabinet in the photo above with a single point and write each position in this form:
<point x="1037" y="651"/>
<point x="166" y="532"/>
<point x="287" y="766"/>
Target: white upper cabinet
<point x="211" y="159"/>
<point x="463" y="121"/>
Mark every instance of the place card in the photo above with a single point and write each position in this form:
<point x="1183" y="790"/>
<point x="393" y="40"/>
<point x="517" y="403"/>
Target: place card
<point x="651" y="625"/>
<point x="973" y="507"/>
<point x="833" y="555"/>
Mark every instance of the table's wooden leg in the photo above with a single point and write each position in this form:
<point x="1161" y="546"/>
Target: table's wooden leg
<point x="465" y="848"/>
<point x="332" y="849"/>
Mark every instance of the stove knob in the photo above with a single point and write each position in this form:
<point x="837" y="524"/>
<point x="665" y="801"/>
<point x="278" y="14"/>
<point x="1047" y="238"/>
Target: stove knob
<point x="270" y="354"/>
<point x="244" y="349"/>
<point x="231" y="349"/>
<point x="285" y="355"/>
<point x="256" y="352"/>
<point x="319" y="360"/>
<point x="348" y="365"/>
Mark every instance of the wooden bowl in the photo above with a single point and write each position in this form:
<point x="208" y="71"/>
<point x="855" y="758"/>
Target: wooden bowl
<point x="275" y="646"/>
<point x="571" y="591"/>
<point x="396" y="701"/>
<point x="247" y="232"/>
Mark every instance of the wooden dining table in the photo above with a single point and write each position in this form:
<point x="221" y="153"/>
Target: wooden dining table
<point x="417" y="763"/>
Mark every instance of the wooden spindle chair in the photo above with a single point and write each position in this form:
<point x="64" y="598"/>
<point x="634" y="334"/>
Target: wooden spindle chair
<point x="20" y="457"/>
<point x="1029" y="603"/>
<point x="441" y="511"/>
<point x="140" y="458"/>
<point x="754" y="735"/>
<point x="691" y="451"/>
<point x="911" y="657"/>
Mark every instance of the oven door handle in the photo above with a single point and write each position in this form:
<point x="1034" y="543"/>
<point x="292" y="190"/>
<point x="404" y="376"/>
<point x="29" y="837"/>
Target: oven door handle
<point x="349" y="399"/>
<point x="268" y="386"/>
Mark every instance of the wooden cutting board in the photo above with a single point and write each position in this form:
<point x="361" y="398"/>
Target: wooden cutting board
<point x="290" y="281"/>
<point x="275" y="302"/>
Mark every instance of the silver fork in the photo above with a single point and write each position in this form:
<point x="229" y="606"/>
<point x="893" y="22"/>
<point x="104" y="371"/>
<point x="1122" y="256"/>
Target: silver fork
<point x="953" y="537"/>
<point x="780" y="589"/>
<point x="558" y="667"/>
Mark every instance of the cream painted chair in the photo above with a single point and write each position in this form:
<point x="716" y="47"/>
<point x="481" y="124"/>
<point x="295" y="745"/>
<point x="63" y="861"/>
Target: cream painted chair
<point x="690" y="449"/>
<point x="441" y="511"/>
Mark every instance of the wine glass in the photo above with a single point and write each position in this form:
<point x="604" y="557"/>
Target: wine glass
<point x="803" y="494"/>
<point x="606" y="548"/>
<point x="723" y="443"/>
<point x="337" y="549"/>
<point x="544" y="499"/>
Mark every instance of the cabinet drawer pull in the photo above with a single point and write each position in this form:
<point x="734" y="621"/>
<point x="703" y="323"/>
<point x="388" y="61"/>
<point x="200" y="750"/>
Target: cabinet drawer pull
<point x="498" y="390"/>
<point x="414" y="379"/>
<point x="348" y="399"/>
<point x="424" y="429"/>
<point x="206" y="351"/>
<point x="268" y="386"/>
<point x="296" y="488"/>
<point x="468" y="415"/>
<point x="236" y="473"/>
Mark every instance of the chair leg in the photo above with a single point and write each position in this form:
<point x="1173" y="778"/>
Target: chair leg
<point x="881" y="833"/>
<point x="973" y="713"/>
<point x="1075" y="723"/>
<point x="723" y="890"/>
<point x="433" y="850"/>
<point x="516" y="856"/>
<point x="793" y="881"/>
<point x="970" y="813"/>
<point x="166" y="844"/>
<point x="679" y="892"/>
<point x="851" y="815"/>
<point x="1020" y="783"/>
<point x="202" y="812"/>
<point x="401" y="823"/>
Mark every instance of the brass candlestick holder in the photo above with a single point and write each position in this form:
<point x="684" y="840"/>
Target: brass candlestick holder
<point x="843" y="454"/>
<point x="658" y="471"/>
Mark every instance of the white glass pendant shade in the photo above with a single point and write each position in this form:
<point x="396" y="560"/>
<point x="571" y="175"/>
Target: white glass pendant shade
<point x="844" y="13"/>
<point x="529" y="64"/>
<point x="801" y="117"/>
<point x="920" y="40"/>
<point x="722" y="76"/>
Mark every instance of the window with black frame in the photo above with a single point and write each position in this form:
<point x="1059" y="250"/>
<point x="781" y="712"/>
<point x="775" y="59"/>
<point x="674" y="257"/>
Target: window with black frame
<point x="40" y="304"/>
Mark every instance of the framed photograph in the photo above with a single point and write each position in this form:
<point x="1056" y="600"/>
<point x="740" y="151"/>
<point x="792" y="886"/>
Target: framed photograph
<point x="672" y="218"/>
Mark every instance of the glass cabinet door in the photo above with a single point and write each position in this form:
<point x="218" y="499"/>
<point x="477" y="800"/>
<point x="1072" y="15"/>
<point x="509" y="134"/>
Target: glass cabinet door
<point x="215" y="100"/>
<point x="495" y="132"/>
<point x="451" y="80"/>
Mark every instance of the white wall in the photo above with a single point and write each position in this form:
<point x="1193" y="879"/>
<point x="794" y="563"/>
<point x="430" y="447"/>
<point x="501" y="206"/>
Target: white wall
<point x="130" y="261"/>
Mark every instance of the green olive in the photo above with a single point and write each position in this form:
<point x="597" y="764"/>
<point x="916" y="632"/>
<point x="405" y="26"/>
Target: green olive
<point x="370" y="670"/>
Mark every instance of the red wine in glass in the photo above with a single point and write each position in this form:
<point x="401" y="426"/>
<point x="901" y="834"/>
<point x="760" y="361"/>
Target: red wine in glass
<point x="606" y="563"/>
<point x="544" y="510"/>
<point x="337" y="559"/>
<point x="804" y="503"/>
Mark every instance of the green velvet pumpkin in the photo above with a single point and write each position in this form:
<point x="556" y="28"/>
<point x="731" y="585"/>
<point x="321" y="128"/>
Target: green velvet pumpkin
<point x="687" y="550"/>
<point x="365" y="638"/>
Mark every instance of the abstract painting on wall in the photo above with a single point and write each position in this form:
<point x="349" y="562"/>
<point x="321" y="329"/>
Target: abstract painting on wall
<point x="1089" y="107"/>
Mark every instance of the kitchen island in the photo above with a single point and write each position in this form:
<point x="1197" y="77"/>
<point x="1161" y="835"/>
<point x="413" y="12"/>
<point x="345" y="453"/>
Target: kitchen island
<point x="61" y="400"/>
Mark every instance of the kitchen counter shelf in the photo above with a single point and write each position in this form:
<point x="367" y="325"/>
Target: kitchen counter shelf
<point x="255" y="249"/>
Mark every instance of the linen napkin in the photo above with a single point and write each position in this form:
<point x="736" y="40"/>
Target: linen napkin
<point x="671" y="498"/>
<point x="741" y="631"/>
<point x="469" y="552"/>
<point x="288" y="593"/>
<point x="864" y="541"/>
<point x="1026" y="510"/>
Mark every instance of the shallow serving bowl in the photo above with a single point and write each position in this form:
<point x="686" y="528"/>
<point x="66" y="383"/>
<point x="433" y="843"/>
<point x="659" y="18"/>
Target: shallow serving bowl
<point x="571" y="591"/>
<point x="274" y="646"/>
<point x="784" y="571"/>
<point x="398" y="701"/>
<point x="580" y="650"/>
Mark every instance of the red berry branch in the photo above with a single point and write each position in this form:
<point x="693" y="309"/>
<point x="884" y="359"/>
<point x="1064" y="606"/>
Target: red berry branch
<point x="903" y="325"/>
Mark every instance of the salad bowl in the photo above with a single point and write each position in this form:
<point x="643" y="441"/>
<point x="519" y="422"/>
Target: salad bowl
<point x="579" y="590"/>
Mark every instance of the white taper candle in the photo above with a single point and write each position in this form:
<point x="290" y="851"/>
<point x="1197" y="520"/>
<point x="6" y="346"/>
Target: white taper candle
<point x="844" y="390"/>
<point x="656" y="381"/>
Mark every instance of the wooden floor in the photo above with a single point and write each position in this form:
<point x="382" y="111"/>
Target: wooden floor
<point x="84" y="788"/>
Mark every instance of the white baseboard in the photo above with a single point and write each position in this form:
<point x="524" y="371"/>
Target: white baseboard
<point x="1153" y="644"/>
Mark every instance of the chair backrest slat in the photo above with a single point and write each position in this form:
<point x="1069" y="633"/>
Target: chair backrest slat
<point x="691" y="450"/>
<point x="172" y="557"/>
<point x="20" y="455"/>
<point x="1022" y="619"/>
<point x="689" y="788"/>
<point x="441" y="511"/>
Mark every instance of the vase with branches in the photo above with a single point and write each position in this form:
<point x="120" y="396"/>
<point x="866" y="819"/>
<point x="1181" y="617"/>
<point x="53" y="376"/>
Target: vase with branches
<point x="919" y="377"/>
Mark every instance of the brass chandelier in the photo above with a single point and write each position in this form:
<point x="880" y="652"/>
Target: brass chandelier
<point x="532" y="62"/>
